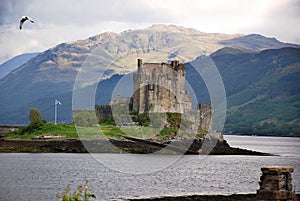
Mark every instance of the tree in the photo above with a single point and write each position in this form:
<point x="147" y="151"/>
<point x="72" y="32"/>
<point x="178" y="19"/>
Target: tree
<point x="35" y="115"/>
<point x="36" y="122"/>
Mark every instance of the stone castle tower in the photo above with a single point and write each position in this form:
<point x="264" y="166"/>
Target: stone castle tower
<point x="160" y="87"/>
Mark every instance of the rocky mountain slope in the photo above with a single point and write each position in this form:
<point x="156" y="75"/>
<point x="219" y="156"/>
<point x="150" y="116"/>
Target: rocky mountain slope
<point x="14" y="63"/>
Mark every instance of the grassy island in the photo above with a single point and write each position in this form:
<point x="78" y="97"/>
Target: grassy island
<point x="143" y="137"/>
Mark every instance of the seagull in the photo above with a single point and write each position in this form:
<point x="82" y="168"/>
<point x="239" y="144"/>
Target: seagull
<point x="23" y="19"/>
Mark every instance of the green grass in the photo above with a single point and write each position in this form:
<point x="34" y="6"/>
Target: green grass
<point x="110" y="130"/>
<point x="48" y="129"/>
<point x="140" y="132"/>
<point x="70" y="131"/>
<point x="94" y="132"/>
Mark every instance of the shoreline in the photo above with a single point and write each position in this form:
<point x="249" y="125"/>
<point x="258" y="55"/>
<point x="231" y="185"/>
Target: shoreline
<point x="259" y="135"/>
<point x="129" y="145"/>
<point x="230" y="197"/>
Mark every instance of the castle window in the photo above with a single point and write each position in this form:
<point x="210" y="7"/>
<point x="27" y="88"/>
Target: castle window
<point x="151" y="87"/>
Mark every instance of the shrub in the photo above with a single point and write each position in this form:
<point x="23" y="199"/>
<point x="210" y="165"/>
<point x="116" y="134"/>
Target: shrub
<point x="143" y="119"/>
<point x="34" y="115"/>
<point x="85" y="118"/>
<point x="36" y="122"/>
<point x="81" y="194"/>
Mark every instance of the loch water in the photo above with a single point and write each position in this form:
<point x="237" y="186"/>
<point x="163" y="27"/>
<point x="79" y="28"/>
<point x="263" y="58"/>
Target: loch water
<point x="38" y="177"/>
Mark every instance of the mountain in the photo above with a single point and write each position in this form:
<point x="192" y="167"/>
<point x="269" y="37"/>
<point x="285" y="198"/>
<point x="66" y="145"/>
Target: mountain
<point x="262" y="89"/>
<point x="51" y="74"/>
<point x="14" y="63"/>
<point x="268" y="101"/>
<point x="256" y="42"/>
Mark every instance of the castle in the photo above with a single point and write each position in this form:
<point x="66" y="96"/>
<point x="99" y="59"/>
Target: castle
<point x="160" y="88"/>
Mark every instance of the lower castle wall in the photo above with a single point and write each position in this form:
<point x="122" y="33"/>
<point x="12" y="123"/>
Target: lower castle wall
<point x="200" y="117"/>
<point x="103" y="112"/>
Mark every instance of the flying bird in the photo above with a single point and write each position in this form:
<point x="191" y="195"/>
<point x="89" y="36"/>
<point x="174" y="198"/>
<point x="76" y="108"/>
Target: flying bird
<point x="24" y="19"/>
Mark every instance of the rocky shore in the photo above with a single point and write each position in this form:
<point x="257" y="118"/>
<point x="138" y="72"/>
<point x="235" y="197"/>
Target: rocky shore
<point x="128" y="144"/>
<point x="233" y="197"/>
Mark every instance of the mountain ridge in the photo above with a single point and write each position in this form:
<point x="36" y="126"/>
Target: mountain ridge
<point x="15" y="62"/>
<point x="255" y="41"/>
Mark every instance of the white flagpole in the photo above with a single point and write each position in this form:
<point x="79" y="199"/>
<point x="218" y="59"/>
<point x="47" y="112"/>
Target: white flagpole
<point x="55" y="111"/>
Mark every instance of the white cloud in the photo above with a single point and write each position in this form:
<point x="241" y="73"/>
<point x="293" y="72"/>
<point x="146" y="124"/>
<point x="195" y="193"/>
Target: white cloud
<point x="58" y="21"/>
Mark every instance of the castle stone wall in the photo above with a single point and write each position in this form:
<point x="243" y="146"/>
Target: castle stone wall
<point x="103" y="112"/>
<point x="159" y="87"/>
<point x="205" y="111"/>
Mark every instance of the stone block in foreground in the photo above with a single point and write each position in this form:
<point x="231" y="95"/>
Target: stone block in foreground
<point x="276" y="184"/>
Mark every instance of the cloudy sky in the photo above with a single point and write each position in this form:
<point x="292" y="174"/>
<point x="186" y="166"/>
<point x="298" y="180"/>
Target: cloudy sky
<point x="59" y="21"/>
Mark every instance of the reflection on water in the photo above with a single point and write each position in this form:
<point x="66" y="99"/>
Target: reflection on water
<point x="40" y="176"/>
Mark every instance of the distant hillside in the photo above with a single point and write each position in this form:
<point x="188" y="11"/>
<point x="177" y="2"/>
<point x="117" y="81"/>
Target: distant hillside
<point x="51" y="74"/>
<point x="262" y="88"/>
<point x="14" y="63"/>
<point x="256" y="42"/>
